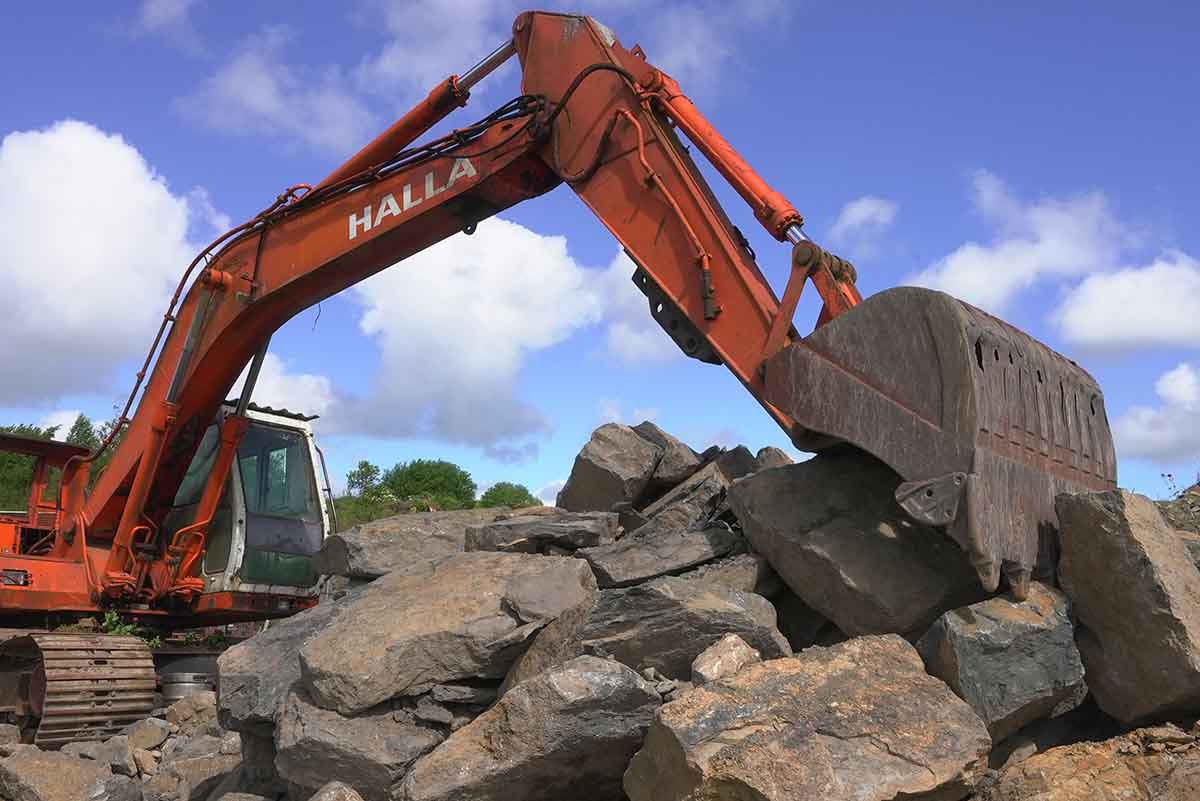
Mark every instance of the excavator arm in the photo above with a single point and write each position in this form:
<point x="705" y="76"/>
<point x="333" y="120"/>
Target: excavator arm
<point x="603" y="120"/>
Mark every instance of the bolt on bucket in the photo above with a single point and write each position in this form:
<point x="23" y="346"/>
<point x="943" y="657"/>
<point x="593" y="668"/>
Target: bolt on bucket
<point x="984" y="423"/>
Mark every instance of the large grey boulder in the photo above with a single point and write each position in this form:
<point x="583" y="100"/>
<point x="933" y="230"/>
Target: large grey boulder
<point x="370" y="752"/>
<point x="860" y="721"/>
<point x="677" y="462"/>
<point x="469" y="616"/>
<point x="535" y="532"/>
<point x="673" y="539"/>
<point x="748" y="572"/>
<point x="1013" y="662"/>
<point x="665" y="624"/>
<point x="567" y="733"/>
<point x="832" y="530"/>
<point x="256" y="674"/>
<point x="30" y="774"/>
<point x="382" y="546"/>
<point x="1136" y="593"/>
<point x="560" y="641"/>
<point x="614" y="467"/>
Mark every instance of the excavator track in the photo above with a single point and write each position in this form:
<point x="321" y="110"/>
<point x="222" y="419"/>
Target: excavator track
<point x="62" y="688"/>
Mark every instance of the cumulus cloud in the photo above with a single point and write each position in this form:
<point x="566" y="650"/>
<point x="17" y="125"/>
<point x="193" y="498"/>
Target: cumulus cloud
<point x="1154" y="305"/>
<point x="455" y="325"/>
<point x="1030" y="242"/>
<point x="1170" y="432"/>
<point x="281" y="388"/>
<point x="61" y="420"/>
<point x="155" y="16"/>
<point x="860" y="223"/>
<point x="87" y="222"/>
<point x="632" y="337"/>
<point x="257" y="91"/>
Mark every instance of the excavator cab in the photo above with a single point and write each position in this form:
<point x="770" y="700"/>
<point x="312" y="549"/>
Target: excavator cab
<point x="276" y="511"/>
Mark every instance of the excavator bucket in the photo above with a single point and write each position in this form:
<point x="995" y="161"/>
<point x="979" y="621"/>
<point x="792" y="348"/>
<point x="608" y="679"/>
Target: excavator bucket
<point x="984" y="424"/>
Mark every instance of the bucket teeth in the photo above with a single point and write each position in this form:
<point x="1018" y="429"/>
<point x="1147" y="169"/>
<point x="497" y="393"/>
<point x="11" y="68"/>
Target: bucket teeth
<point x="984" y="423"/>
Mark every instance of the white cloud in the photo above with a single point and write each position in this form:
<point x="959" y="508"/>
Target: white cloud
<point x="164" y="15"/>
<point x="1046" y="238"/>
<point x="258" y="92"/>
<point x="632" y="337"/>
<point x="280" y="388"/>
<point x="87" y="222"/>
<point x="429" y="40"/>
<point x="455" y="324"/>
<point x="1169" y="432"/>
<point x="861" y="222"/>
<point x="63" y="419"/>
<point x="1154" y="305"/>
<point x="549" y="493"/>
<point x="865" y="214"/>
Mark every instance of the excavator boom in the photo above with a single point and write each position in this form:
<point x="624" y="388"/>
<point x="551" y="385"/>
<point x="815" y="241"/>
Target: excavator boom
<point x="965" y="408"/>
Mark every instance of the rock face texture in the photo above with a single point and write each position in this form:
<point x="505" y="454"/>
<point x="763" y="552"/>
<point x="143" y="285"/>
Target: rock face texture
<point x="677" y="462"/>
<point x="1155" y="764"/>
<point x="257" y="674"/>
<point x="665" y="624"/>
<point x="833" y="532"/>
<point x="1137" y="595"/>
<point x="614" y="467"/>
<point x="747" y="572"/>
<point x="566" y="733"/>
<point x="861" y="720"/>
<point x="371" y="751"/>
<point x="29" y="774"/>
<point x="377" y="548"/>
<point x="652" y="551"/>
<point x="1012" y="662"/>
<point x="723" y="658"/>
<point x="470" y="615"/>
<point x="534" y="533"/>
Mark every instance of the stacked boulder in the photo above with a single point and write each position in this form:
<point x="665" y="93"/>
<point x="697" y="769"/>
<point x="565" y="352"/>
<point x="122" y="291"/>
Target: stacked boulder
<point x="692" y="626"/>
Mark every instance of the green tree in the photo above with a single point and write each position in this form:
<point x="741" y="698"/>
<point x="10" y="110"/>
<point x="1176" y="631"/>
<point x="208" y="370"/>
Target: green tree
<point x="362" y="479"/>
<point x="506" y="493"/>
<point x="83" y="433"/>
<point x="442" y="484"/>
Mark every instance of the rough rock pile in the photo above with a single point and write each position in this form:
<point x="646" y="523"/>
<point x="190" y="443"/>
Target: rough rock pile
<point x="686" y="626"/>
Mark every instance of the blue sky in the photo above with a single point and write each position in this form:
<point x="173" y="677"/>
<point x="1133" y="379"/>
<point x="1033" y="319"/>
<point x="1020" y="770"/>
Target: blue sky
<point x="1040" y="163"/>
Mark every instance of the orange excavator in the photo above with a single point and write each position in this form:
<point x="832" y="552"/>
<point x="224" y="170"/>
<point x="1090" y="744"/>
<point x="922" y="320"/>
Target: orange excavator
<point x="983" y="423"/>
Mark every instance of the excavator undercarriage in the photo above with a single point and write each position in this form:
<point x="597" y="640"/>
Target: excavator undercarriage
<point x="60" y="688"/>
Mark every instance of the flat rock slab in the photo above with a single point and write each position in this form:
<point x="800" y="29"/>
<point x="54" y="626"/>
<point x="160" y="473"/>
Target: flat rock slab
<point x="1137" y="595"/>
<point x="833" y="532"/>
<point x="860" y="721"/>
<point x="665" y="624"/>
<point x="370" y="752"/>
<point x="615" y="466"/>
<point x="382" y="546"/>
<point x="748" y="572"/>
<point x="567" y="733"/>
<point x="256" y="674"/>
<point x="1161" y="763"/>
<point x="469" y="616"/>
<point x="649" y="553"/>
<point x="533" y="533"/>
<point x="1013" y="662"/>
